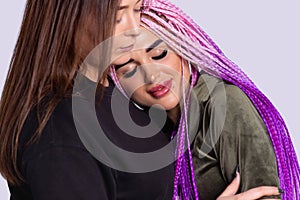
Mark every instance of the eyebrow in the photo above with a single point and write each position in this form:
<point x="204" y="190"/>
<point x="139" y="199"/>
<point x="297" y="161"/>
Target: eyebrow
<point x="124" y="7"/>
<point x="137" y="2"/>
<point x="121" y="65"/>
<point x="152" y="46"/>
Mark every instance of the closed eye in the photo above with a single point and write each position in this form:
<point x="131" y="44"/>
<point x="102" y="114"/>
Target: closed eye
<point x="130" y="73"/>
<point x="161" y="56"/>
<point x="123" y="64"/>
<point x="139" y="9"/>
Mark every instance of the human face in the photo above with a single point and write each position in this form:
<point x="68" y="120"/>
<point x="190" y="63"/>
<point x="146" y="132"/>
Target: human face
<point x="152" y="74"/>
<point x="127" y="26"/>
<point x="126" y="29"/>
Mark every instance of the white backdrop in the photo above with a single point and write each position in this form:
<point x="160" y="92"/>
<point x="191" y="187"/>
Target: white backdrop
<point x="260" y="36"/>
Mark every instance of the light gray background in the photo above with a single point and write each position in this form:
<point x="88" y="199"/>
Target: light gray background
<point x="260" y="36"/>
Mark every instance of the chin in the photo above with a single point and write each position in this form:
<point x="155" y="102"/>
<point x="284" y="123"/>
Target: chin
<point x="169" y="105"/>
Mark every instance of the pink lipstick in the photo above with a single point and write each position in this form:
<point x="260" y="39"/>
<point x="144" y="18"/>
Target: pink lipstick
<point x="161" y="90"/>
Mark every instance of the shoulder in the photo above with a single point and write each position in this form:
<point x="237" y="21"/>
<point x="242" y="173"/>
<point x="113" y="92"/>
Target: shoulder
<point x="227" y="109"/>
<point x="217" y="92"/>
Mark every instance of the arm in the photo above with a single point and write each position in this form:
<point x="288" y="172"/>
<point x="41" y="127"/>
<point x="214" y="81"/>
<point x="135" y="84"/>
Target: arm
<point x="245" y="142"/>
<point x="231" y="133"/>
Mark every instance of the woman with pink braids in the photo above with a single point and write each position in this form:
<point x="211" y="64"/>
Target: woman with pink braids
<point x="238" y="130"/>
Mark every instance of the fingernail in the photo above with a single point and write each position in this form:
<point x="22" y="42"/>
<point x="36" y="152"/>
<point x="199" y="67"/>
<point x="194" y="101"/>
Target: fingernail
<point x="237" y="169"/>
<point x="281" y="191"/>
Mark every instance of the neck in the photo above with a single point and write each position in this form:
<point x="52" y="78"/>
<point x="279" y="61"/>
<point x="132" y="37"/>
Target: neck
<point x="174" y="114"/>
<point x="92" y="74"/>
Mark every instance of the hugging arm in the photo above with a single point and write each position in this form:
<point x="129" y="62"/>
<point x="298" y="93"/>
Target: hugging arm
<point x="245" y="143"/>
<point x="230" y="192"/>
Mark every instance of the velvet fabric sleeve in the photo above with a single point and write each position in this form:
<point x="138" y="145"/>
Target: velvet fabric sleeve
<point x="231" y="134"/>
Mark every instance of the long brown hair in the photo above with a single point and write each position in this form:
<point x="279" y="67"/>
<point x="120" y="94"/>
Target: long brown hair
<point x="54" y="38"/>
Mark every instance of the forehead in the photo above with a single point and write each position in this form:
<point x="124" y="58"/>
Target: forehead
<point x="145" y="39"/>
<point x="129" y="2"/>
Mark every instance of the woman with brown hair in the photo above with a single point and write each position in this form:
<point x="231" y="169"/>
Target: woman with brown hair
<point x="42" y="158"/>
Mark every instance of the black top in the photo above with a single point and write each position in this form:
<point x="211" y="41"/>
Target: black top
<point x="59" y="166"/>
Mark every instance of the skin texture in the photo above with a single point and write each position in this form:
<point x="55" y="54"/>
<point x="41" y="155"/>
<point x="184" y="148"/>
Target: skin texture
<point x="255" y="193"/>
<point x="128" y="17"/>
<point x="152" y="72"/>
<point x="127" y="28"/>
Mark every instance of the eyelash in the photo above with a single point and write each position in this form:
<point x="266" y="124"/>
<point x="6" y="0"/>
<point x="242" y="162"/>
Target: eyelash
<point x="135" y="10"/>
<point x="132" y="72"/>
<point x="161" y="56"/>
<point x="138" y="10"/>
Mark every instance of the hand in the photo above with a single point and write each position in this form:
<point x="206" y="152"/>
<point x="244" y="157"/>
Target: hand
<point x="255" y="193"/>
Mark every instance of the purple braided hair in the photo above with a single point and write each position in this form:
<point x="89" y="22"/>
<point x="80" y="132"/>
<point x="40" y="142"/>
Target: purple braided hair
<point x="179" y="31"/>
<point x="184" y="171"/>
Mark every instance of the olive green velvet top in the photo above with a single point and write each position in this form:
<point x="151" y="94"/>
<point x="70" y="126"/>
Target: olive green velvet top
<point x="231" y="133"/>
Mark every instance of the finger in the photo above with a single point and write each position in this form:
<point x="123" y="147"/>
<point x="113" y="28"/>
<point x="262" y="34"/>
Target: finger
<point x="233" y="187"/>
<point x="270" y="199"/>
<point x="258" y="192"/>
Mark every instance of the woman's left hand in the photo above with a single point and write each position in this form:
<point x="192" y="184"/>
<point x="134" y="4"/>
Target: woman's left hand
<point x="255" y="193"/>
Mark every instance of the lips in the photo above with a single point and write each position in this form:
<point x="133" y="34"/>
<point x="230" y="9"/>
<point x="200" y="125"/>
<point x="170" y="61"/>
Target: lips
<point x="126" y="48"/>
<point x="161" y="90"/>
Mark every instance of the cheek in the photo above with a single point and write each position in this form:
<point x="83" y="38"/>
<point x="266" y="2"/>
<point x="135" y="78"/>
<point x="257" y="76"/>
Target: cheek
<point x="138" y="19"/>
<point x="139" y="96"/>
<point x="133" y="87"/>
<point x="119" y="29"/>
<point x="173" y="61"/>
<point x="128" y="88"/>
<point x="119" y="59"/>
<point x="121" y="26"/>
<point x="176" y="65"/>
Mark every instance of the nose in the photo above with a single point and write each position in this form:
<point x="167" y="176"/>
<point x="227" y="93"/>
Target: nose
<point x="133" y="32"/>
<point x="133" y="26"/>
<point x="151" y="73"/>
